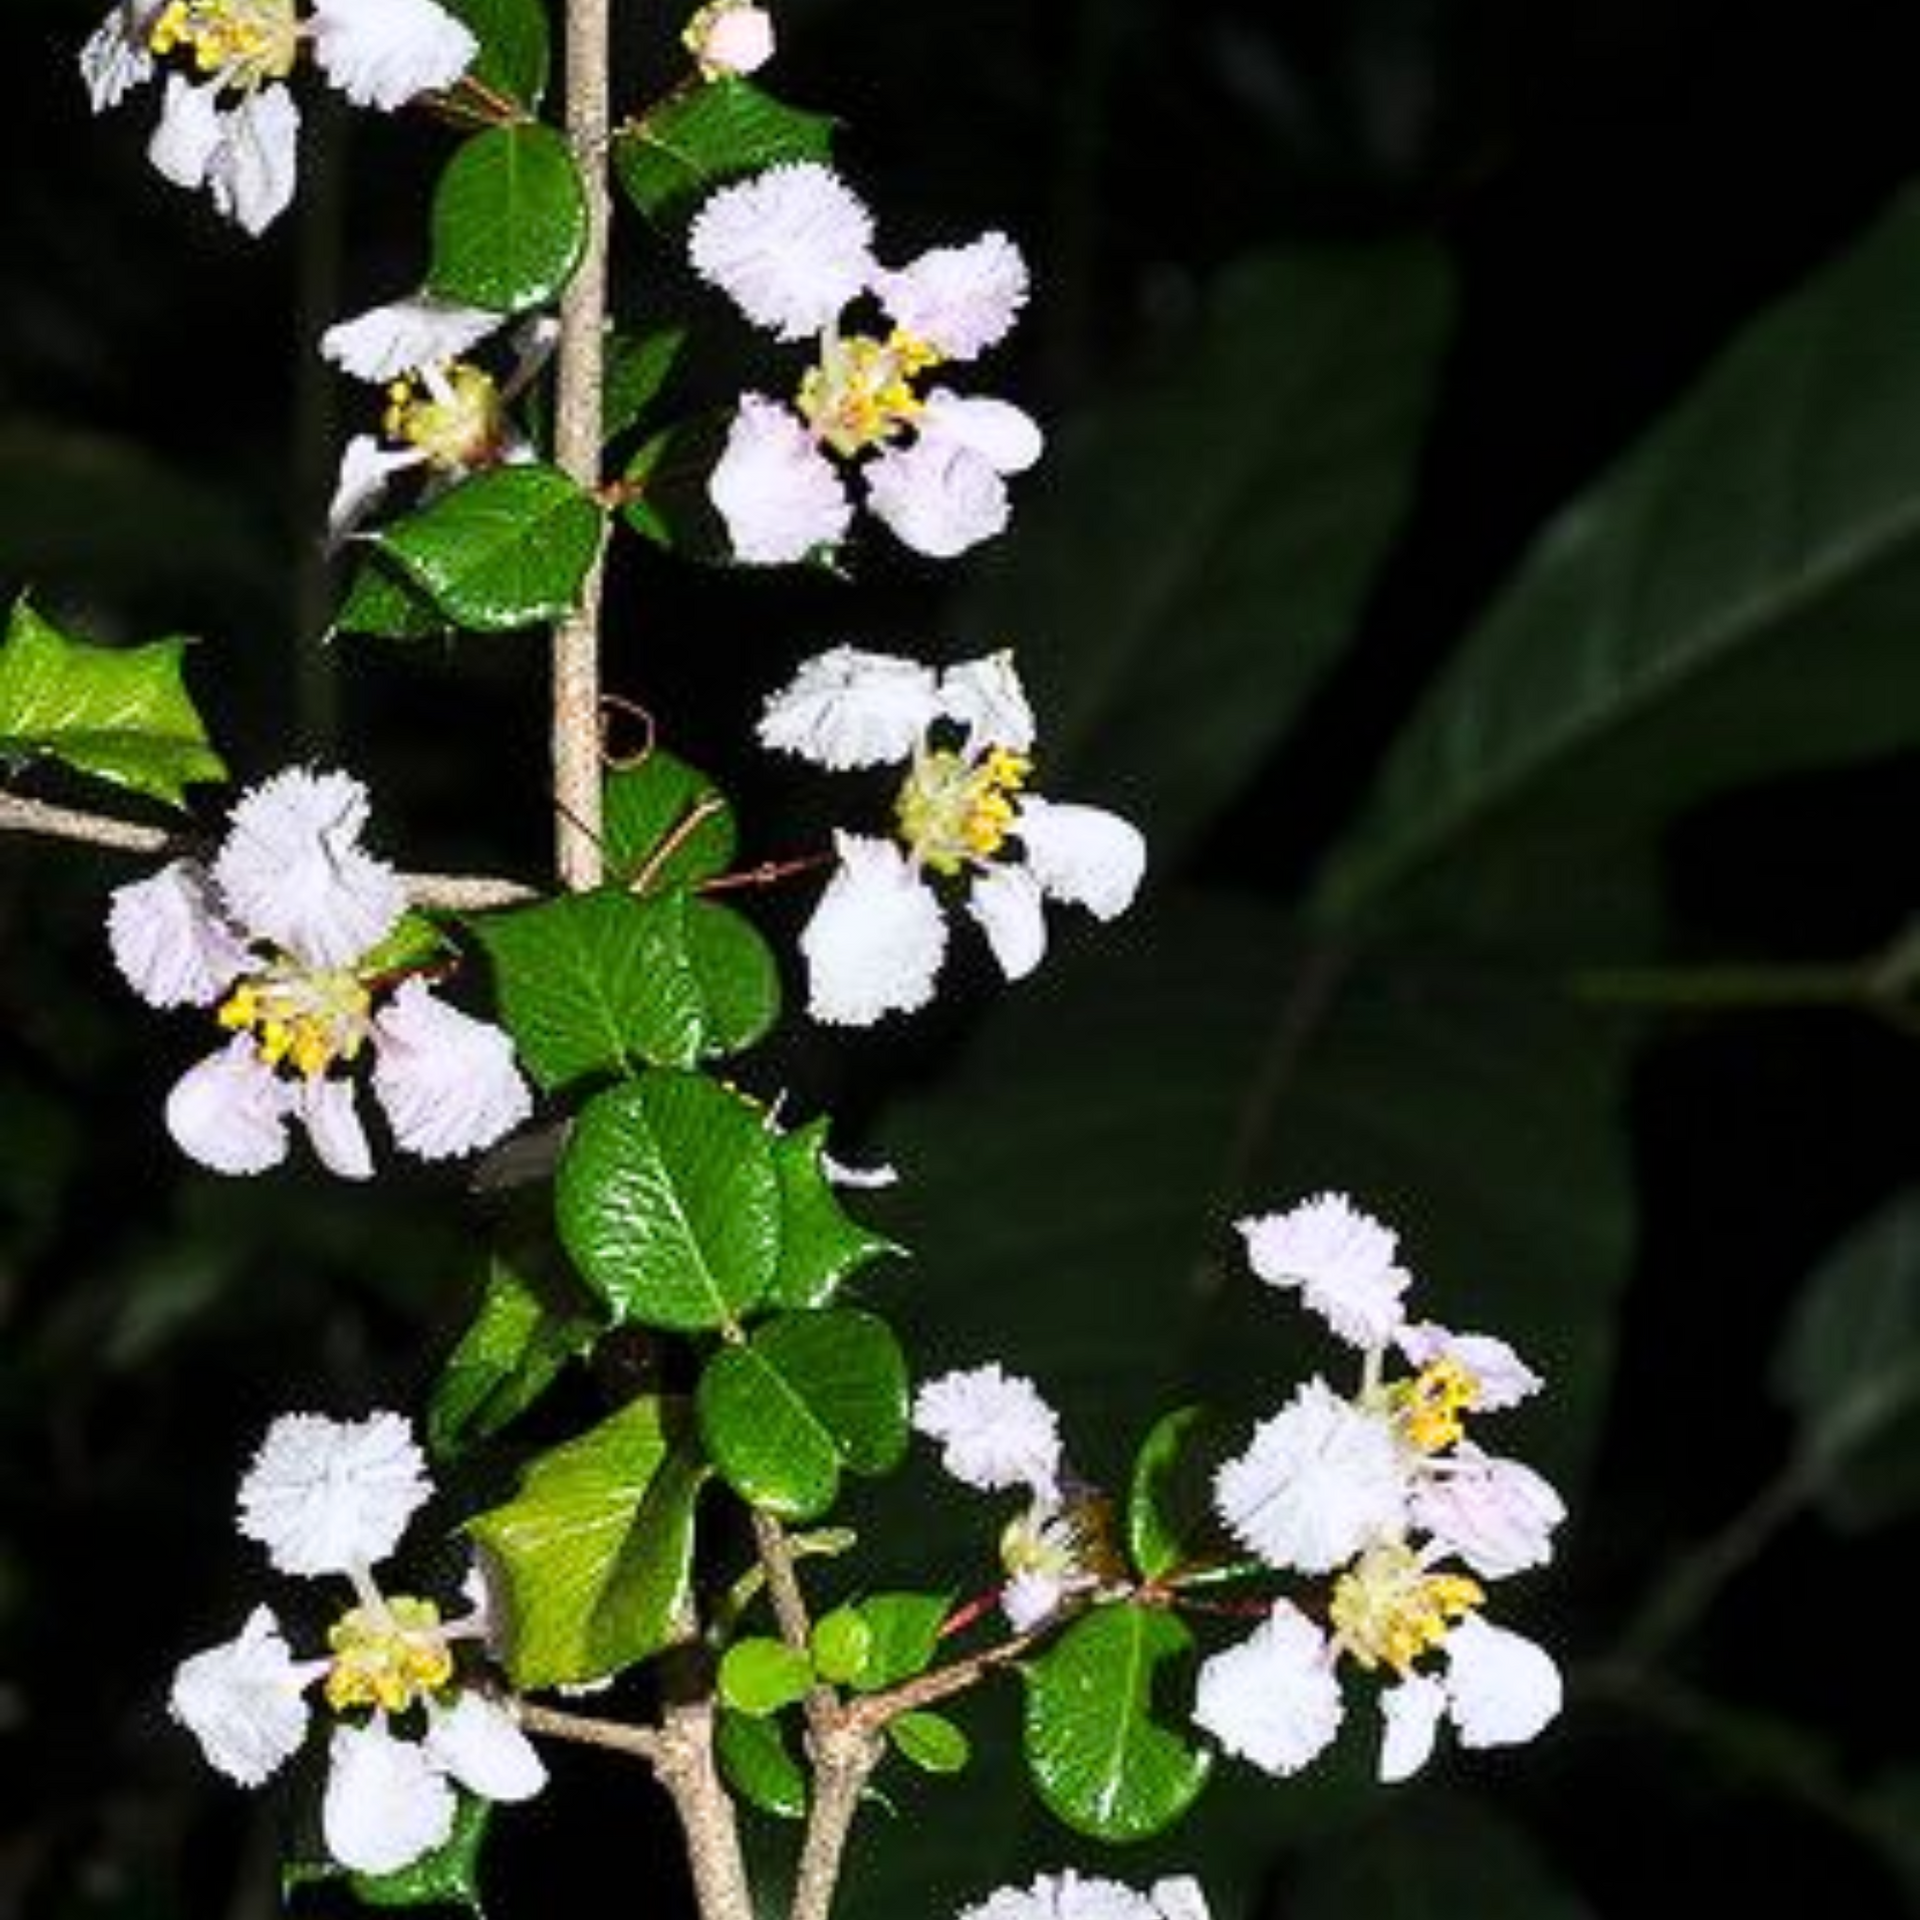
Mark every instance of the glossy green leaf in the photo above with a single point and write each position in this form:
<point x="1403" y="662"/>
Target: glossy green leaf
<point x="669" y="1202"/>
<point x="808" y="1395"/>
<point x="820" y="1244"/>
<point x="1100" y="1758"/>
<point x="667" y="821"/>
<point x="759" y="1676"/>
<point x="697" y="139"/>
<point x="504" y="549"/>
<point x="120" y="714"/>
<point x="1170" y="1519"/>
<point x="514" y="46"/>
<point x="664" y="495"/>
<point x="525" y="1331"/>
<point x="755" y="1762"/>
<point x="594" y="1553"/>
<point x="840" y="1643"/>
<point x="903" y="1635"/>
<point x="737" y="976"/>
<point x="1732" y="598"/>
<point x="1848" y="1365"/>
<point x="930" y="1741"/>
<point x="381" y="601"/>
<point x="637" y="367"/>
<point x="509" y="220"/>
<point x="1201" y="552"/>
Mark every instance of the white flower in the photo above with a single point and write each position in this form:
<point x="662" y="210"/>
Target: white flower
<point x="1074" y="1896"/>
<point x="332" y="1496"/>
<point x="994" y="1430"/>
<point x="385" y="1803"/>
<point x="230" y="1111"/>
<point x="480" y="1744"/>
<point x="380" y="53"/>
<point x="292" y="871"/>
<point x="1274" y="1698"/>
<point x="730" y="36"/>
<point x="790" y="247"/>
<point x="1319" y="1480"/>
<point x="1496" y="1515"/>
<point x="1341" y="1259"/>
<point x="446" y="1081"/>
<point x="366" y="465"/>
<point x="876" y="941"/>
<point x="960" y="300"/>
<point x="404" y="335"/>
<point x="848" y="708"/>
<point x="778" y="494"/>
<point x="946" y="492"/>
<point x="874" y="944"/>
<point x="1501" y="1378"/>
<point x="168" y="940"/>
<point x="1500" y="1689"/>
<point x="244" y="1701"/>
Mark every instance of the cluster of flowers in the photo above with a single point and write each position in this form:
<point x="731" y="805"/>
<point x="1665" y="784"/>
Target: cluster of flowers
<point x="1379" y="1493"/>
<point x="283" y="932"/>
<point x="328" y="1497"/>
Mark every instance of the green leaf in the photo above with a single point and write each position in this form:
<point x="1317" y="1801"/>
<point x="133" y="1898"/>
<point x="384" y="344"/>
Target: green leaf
<point x="381" y="601"/>
<point x="759" y="1676"/>
<point x="1099" y="1759"/>
<point x="514" y="51"/>
<point x="737" y="975"/>
<point x="696" y="140"/>
<point x="1170" y="1521"/>
<point x="840" y="1643"/>
<point x="755" y="1762"/>
<point x="525" y="1331"/>
<point x="449" y="1876"/>
<point x="664" y="496"/>
<point x="820" y="1245"/>
<point x="121" y="714"/>
<point x="930" y="1741"/>
<point x="1848" y="1366"/>
<point x="903" y="1635"/>
<point x="504" y="549"/>
<point x="1659" y="641"/>
<point x="659" y="800"/>
<point x="415" y="945"/>
<point x="1279" y="442"/>
<point x="594" y="1554"/>
<point x="669" y="1203"/>
<point x="509" y="220"/>
<point x="637" y="367"/>
<point x="808" y="1395"/>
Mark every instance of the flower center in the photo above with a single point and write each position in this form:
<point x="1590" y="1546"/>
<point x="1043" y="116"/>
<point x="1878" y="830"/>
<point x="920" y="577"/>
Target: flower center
<point x="952" y="810"/>
<point x="1429" y="1405"/>
<point x="455" y="421"/>
<point x="862" y="391"/>
<point x="387" y="1655"/>
<point x="1387" y="1609"/>
<point x="244" y="42"/>
<point x="308" y="1017"/>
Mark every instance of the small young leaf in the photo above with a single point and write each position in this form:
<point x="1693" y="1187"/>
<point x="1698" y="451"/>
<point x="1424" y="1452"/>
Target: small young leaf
<point x="819" y="1244"/>
<point x="509" y="220"/>
<point x="637" y="367"/>
<point x="504" y="549"/>
<point x="668" y="1201"/>
<point x="759" y="1676"/>
<point x="121" y="714"/>
<point x="1170" y="1519"/>
<point x="755" y="1762"/>
<point x="903" y="1634"/>
<point x="1099" y="1759"/>
<point x="692" y="142"/>
<point x="514" y="50"/>
<point x="931" y="1741"/>
<point x="808" y="1395"/>
<point x="595" y="1551"/>
<point x="664" y="490"/>
<point x="840" y="1643"/>
<point x="652" y="802"/>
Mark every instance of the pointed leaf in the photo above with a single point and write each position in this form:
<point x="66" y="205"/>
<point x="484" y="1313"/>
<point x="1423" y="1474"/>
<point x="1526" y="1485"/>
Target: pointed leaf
<point x="509" y="220"/>
<point x="121" y="714"/>
<point x="504" y="549"/>
<point x="669" y="1203"/>
<point x="594" y="1554"/>
<point x="807" y="1395"/>
<point x="693" y="141"/>
<point x="1100" y="1759"/>
<point x="1170" y="1519"/>
<point x="820" y="1245"/>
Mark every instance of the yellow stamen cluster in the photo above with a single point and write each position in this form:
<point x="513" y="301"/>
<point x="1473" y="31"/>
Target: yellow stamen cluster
<point x="952" y="810"/>
<point x="1388" y="1611"/>
<point x="387" y="1656"/>
<point x="306" y="1018"/>
<point x="246" y="42"/>
<point x="862" y="393"/>
<point x="1429" y="1405"/>
<point x="456" y="421"/>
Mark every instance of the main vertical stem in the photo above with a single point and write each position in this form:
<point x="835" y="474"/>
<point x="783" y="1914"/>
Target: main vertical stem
<point x="577" y="438"/>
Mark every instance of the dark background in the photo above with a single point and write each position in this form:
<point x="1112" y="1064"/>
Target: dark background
<point x="1618" y="187"/>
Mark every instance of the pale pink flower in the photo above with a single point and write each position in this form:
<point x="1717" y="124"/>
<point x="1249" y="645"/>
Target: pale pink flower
<point x="1273" y="1699"/>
